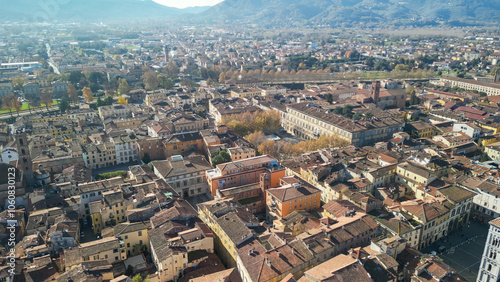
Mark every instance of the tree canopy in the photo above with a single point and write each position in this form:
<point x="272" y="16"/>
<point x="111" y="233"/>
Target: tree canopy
<point x="246" y="123"/>
<point x="221" y="157"/>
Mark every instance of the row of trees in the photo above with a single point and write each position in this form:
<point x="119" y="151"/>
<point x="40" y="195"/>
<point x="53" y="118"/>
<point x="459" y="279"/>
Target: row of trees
<point x="283" y="150"/>
<point x="11" y="102"/>
<point x="89" y="97"/>
<point x="151" y="80"/>
<point x="247" y="122"/>
<point x="272" y="75"/>
<point x="323" y="74"/>
<point x="251" y="125"/>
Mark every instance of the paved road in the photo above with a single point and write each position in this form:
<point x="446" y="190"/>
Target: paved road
<point x="50" y="61"/>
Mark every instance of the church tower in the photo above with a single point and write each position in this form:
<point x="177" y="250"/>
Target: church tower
<point x="376" y="91"/>
<point x="166" y="49"/>
<point x="24" y="162"/>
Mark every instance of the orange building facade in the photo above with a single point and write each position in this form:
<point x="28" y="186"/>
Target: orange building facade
<point x="153" y="147"/>
<point x="180" y="144"/>
<point x="292" y="195"/>
<point x="244" y="172"/>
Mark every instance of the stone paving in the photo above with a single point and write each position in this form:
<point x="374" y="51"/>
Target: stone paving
<point x="464" y="249"/>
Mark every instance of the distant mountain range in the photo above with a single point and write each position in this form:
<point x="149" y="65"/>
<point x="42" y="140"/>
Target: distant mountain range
<point x="339" y="12"/>
<point x="268" y="12"/>
<point x="88" y="10"/>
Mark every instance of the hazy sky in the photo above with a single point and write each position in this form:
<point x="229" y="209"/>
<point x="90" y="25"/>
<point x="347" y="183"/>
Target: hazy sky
<point x="188" y="3"/>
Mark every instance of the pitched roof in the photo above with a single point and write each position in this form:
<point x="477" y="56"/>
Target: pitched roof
<point x="234" y="227"/>
<point x="339" y="268"/>
<point x="128" y="227"/>
<point x="338" y="208"/>
<point x="293" y="191"/>
<point x="456" y="194"/>
<point x="173" y="168"/>
<point x="426" y="212"/>
<point x="245" y="163"/>
<point x="180" y="211"/>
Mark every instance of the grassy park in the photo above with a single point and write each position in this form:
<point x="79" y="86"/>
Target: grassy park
<point x="25" y="108"/>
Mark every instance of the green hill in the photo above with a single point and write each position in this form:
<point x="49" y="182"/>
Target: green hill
<point x="78" y="10"/>
<point x="341" y="12"/>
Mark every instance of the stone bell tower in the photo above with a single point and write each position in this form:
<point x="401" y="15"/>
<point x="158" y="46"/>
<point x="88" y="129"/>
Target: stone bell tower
<point x="24" y="162"/>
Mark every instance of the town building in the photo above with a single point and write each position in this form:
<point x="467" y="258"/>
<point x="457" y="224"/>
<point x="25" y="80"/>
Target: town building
<point x="243" y="172"/>
<point x="489" y="269"/>
<point x="433" y="215"/>
<point x="294" y="194"/>
<point x="182" y="144"/>
<point x="110" y="249"/>
<point x="240" y="153"/>
<point x="470" y="129"/>
<point x="186" y="175"/>
<point x="420" y="129"/>
<point x="109" y="211"/>
<point x="153" y="147"/>
<point x="470" y="84"/>
<point x="99" y="155"/>
<point x="64" y="234"/>
<point x="342" y="267"/>
<point x="134" y="236"/>
<point x="93" y="191"/>
<point x="172" y="253"/>
<point x="308" y="120"/>
<point x="6" y="87"/>
<point x="493" y="150"/>
<point x="220" y="108"/>
<point x="117" y="111"/>
<point x="125" y="148"/>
